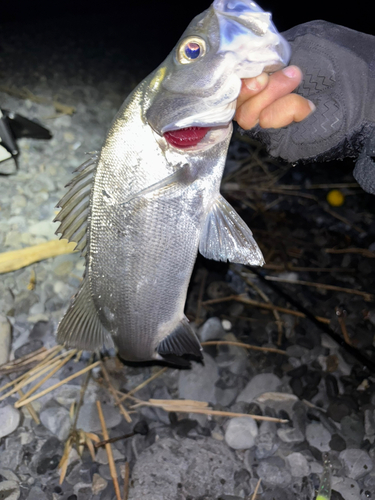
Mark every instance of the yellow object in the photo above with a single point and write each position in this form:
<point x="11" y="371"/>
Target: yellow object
<point x="16" y="259"/>
<point x="335" y="198"/>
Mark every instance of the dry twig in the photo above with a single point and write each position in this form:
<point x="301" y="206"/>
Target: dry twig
<point x="367" y="296"/>
<point x="245" y="346"/>
<point x="111" y="462"/>
<point x="126" y="481"/>
<point x="112" y="390"/>
<point x="256" y="489"/>
<point x="141" y="385"/>
<point x="361" y="251"/>
<point x="262" y="305"/>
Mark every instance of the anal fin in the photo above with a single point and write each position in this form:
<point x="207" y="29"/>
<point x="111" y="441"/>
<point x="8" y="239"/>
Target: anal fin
<point x="182" y="340"/>
<point x="80" y="327"/>
<point x="226" y="236"/>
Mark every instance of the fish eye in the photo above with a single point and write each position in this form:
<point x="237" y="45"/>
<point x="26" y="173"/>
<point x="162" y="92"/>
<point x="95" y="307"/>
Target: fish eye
<point x="191" y="49"/>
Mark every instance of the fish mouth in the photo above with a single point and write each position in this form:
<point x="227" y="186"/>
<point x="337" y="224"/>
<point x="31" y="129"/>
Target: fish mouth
<point x="187" y="137"/>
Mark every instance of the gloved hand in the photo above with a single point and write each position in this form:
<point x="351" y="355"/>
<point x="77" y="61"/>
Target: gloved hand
<point x="338" y="65"/>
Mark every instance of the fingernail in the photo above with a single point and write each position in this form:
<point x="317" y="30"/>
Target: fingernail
<point x="312" y="106"/>
<point x="290" y="71"/>
<point x="257" y="82"/>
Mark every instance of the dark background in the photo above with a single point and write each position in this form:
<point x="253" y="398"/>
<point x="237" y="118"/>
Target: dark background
<point x="153" y="26"/>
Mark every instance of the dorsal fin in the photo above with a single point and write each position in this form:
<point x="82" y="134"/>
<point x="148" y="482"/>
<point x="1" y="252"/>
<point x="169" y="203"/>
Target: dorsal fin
<point x="75" y="205"/>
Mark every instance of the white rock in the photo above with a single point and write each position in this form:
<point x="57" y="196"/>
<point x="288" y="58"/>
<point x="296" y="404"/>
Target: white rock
<point x="10" y="419"/>
<point x="57" y="421"/>
<point x="263" y="382"/>
<point x="199" y="382"/>
<point x="348" y="488"/>
<point x="9" y="490"/>
<point x="318" y="436"/>
<point x="5" y="339"/>
<point x="298" y="464"/>
<point x="241" y="433"/>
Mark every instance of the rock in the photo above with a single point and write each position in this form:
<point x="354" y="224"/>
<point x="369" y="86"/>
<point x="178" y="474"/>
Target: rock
<point x="5" y="339"/>
<point x="298" y="464"/>
<point x="357" y="463"/>
<point x="290" y="435"/>
<point x="352" y="430"/>
<point x="277" y="401"/>
<point x="337" y="443"/>
<point x="88" y="419"/>
<point x="8" y="475"/>
<point x="69" y="393"/>
<point x="36" y="493"/>
<point x="43" y="228"/>
<point x="348" y="488"/>
<point x="241" y="433"/>
<point x="266" y="441"/>
<point x="259" y="384"/>
<point x="211" y="329"/>
<point x="184" y="468"/>
<point x="273" y="473"/>
<point x="102" y="456"/>
<point x="56" y="420"/>
<point x="9" y="490"/>
<point x="98" y="484"/>
<point x="28" y="348"/>
<point x="10" y="419"/>
<point x="318" y="436"/>
<point x="199" y="382"/>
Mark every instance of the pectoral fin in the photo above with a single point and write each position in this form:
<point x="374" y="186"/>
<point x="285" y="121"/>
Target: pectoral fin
<point x="182" y="175"/>
<point x="182" y="340"/>
<point x="225" y="236"/>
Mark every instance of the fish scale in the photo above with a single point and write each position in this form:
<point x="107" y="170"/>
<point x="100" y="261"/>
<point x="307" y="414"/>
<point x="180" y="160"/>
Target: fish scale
<point x="151" y="205"/>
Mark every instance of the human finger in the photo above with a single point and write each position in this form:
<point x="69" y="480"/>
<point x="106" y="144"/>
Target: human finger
<point x="287" y="109"/>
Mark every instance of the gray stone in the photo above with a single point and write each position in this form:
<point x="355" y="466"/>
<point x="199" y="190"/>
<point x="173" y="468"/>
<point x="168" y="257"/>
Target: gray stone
<point x="56" y="420"/>
<point x="5" y="339"/>
<point x="9" y="490"/>
<point x="318" y="436"/>
<point x="277" y="401"/>
<point x="36" y="493"/>
<point x="211" y="329"/>
<point x="298" y="464"/>
<point x="263" y="382"/>
<point x="10" y="419"/>
<point x="273" y="473"/>
<point x="88" y="419"/>
<point x="9" y="475"/>
<point x="69" y="393"/>
<point x="102" y="456"/>
<point x="98" y="484"/>
<point x="199" y="382"/>
<point x="241" y="433"/>
<point x="290" y="435"/>
<point x="352" y="430"/>
<point x="357" y="463"/>
<point x="348" y="488"/>
<point x="11" y="458"/>
<point x="174" y="470"/>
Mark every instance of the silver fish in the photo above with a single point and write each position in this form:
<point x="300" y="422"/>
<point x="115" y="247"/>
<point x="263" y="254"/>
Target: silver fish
<point x="141" y="208"/>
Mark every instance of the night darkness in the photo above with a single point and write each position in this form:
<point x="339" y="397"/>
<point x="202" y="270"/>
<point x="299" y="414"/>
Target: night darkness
<point x="151" y="28"/>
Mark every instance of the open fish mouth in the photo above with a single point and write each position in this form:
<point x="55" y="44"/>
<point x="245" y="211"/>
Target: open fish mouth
<point x="186" y="137"/>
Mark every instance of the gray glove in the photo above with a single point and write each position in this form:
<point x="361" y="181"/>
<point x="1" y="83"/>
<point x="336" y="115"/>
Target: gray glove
<point x="338" y="66"/>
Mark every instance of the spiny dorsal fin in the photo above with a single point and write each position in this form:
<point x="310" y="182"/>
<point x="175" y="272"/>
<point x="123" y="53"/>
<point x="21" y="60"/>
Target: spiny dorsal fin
<point x="225" y="236"/>
<point x="80" y="326"/>
<point x="182" y="340"/>
<point x="75" y="205"/>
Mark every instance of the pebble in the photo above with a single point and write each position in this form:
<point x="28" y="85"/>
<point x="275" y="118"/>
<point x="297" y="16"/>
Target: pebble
<point x="184" y="468"/>
<point x="5" y="339"/>
<point x="199" y="382"/>
<point x="88" y="419"/>
<point x="298" y="464"/>
<point x="357" y="463"/>
<point x="9" y="490"/>
<point x="10" y="419"/>
<point x="352" y="430"/>
<point x="273" y="473"/>
<point x="348" y="488"/>
<point x="211" y="329"/>
<point x="241" y="433"/>
<point x="98" y="484"/>
<point x="318" y="436"/>
<point x="263" y="382"/>
<point x="56" y="420"/>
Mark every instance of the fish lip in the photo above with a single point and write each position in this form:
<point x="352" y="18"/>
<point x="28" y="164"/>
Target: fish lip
<point x="215" y="134"/>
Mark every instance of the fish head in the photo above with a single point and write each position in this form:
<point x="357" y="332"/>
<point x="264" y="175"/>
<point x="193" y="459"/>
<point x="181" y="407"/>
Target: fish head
<point x="193" y="93"/>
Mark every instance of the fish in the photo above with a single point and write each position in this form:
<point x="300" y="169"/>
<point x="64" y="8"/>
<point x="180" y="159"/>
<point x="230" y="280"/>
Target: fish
<point x="141" y="208"/>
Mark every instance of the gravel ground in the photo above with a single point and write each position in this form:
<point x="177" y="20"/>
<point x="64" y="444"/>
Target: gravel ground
<point x="324" y="392"/>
